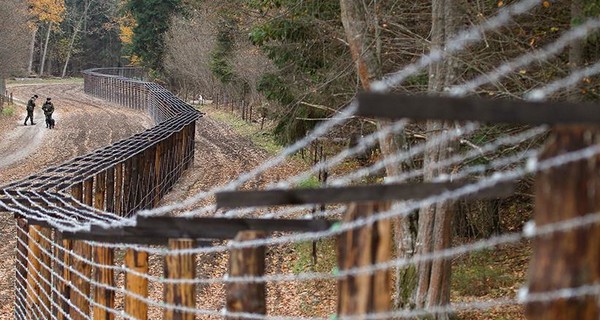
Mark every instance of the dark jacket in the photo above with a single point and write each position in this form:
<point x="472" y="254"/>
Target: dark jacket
<point x="48" y="108"/>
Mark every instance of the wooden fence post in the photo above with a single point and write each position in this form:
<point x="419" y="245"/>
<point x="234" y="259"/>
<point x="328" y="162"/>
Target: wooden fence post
<point x="247" y="297"/>
<point x="103" y="256"/>
<point x="180" y="266"/>
<point x="158" y="178"/>
<point x="38" y="271"/>
<point x="361" y="294"/>
<point x="136" y="261"/>
<point x="567" y="259"/>
<point x="61" y="286"/>
<point x="110" y="189"/>
<point x="119" y="202"/>
<point x="81" y="305"/>
<point x="21" y="267"/>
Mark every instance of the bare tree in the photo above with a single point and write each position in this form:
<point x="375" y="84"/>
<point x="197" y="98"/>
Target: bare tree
<point x="578" y="46"/>
<point x="250" y="64"/>
<point x="45" y="52"/>
<point x="189" y="44"/>
<point x="76" y="29"/>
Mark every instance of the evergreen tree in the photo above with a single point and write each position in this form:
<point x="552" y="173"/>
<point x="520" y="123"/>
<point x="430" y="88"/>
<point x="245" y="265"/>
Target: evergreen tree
<point x="152" y="18"/>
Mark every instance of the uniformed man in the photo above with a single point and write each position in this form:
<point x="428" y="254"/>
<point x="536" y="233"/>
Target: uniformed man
<point x="30" y="108"/>
<point x="48" y="109"/>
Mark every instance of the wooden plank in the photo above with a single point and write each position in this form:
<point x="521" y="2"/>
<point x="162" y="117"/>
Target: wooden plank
<point x="383" y="192"/>
<point x="227" y="228"/>
<point x="80" y="309"/>
<point x="362" y="294"/>
<point x="397" y="106"/>
<point x="63" y="291"/>
<point x="110" y="189"/>
<point x="180" y="266"/>
<point x="136" y="261"/>
<point x="80" y="300"/>
<point x="38" y="271"/>
<point x="104" y="297"/>
<point x="570" y="258"/>
<point x="157" y="230"/>
<point x="247" y="262"/>
<point x="21" y="265"/>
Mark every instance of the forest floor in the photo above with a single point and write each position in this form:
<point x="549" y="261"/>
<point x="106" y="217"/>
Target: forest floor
<point x="225" y="148"/>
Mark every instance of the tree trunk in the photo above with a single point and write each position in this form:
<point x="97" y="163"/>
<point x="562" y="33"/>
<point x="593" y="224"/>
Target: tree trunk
<point x="577" y="46"/>
<point x="32" y="50"/>
<point x="74" y="36"/>
<point x="435" y="222"/>
<point x="362" y="33"/>
<point x="45" y="49"/>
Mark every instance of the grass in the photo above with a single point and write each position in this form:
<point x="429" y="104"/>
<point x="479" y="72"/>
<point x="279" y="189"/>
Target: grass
<point x="21" y="81"/>
<point x="261" y="138"/>
<point x="485" y="273"/>
<point x="8" y="110"/>
<point x="302" y="260"/>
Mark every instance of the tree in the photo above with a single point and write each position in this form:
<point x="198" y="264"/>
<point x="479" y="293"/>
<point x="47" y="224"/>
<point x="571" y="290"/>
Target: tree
<point x="13" y="51"/>
<point x="50" y="13"/>
<point x="435" y="221"/>
<point x="79" y="18"/>
<point x="152" y="21"/>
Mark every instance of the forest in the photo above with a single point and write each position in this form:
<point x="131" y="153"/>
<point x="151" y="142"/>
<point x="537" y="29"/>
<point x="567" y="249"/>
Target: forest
<point x="301" y="62"/>
<point x="290" y="59"/>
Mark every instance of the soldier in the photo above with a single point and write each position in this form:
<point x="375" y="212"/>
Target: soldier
<point x="30" y="108"/>
<point x="48" y="109"/>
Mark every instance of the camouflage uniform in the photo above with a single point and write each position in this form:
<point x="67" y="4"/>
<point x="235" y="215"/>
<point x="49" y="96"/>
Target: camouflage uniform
<point x="48" y="109"/>
<point x="30" y="108"/>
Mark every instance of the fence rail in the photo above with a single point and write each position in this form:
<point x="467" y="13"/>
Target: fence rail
<point x="100" y="187"/>
<point x="62" y="274"/>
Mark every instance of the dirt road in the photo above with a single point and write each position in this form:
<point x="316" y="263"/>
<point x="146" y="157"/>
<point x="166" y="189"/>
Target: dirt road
<point x="84" y="123"/>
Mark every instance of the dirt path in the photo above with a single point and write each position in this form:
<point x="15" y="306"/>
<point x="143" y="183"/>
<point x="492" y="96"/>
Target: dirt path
<point x="83" y="124"/>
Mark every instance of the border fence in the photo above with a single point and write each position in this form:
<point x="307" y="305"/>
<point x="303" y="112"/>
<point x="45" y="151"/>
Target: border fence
<point x="72" y="218"/>
<point x="100" y="187"/>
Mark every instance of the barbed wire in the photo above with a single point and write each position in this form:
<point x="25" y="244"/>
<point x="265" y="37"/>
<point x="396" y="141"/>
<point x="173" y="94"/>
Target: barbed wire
<point x="74" y="215"/>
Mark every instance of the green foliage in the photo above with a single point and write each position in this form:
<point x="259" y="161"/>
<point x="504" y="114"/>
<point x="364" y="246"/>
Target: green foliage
<point x="219" y="63"/>
<point x="275" y="89"/>
<point x="480" y="275"/>
<point x="299" y="39"/>
<point x="310" y="182"/>
<point x="326" y="256"/>
<point x="152" y="17"/>
<point x="7" y="110"/>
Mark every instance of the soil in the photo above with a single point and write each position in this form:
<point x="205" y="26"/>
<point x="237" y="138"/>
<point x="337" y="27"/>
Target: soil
<point x="85" y="123"/>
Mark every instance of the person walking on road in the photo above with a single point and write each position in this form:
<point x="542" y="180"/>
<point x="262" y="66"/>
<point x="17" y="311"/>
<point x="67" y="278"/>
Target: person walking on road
<point x="30" y="108"/>
<point x="48" y="109"/>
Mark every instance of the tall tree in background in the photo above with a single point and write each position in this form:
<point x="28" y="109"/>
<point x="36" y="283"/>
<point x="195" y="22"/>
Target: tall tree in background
<point x="364" y="39"/>
<point x="77" y="17"/>
<point x="304" y="41"/>
<point x="48" y="13"/>
<point x="578" y="46"/>
<point x="13" y="51"/>
<point x="435" y="221"/>
<point x="152" y="21"/>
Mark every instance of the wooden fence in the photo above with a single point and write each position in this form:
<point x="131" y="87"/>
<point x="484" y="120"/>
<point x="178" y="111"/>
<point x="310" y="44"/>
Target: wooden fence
<point x="122" y="178"/>
<point x="135" y="173"/>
